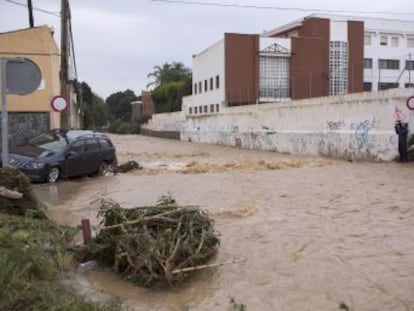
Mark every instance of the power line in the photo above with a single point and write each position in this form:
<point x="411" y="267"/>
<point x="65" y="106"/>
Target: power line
<point x="57" y="14"/>
<point x="259" y="7"/>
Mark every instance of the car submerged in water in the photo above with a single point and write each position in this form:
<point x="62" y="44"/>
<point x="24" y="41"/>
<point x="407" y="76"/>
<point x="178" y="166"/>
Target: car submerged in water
<point x="61" y="153"/>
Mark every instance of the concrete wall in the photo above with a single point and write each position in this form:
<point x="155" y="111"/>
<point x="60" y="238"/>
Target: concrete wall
<point x="354" y="126"/>
<point x="169" y="121"/>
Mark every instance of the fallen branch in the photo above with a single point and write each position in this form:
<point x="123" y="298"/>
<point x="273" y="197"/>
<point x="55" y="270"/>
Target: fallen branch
<point x="149" y="218"/>
<point x="213" y="265"/>
<point x="15" y="195"/>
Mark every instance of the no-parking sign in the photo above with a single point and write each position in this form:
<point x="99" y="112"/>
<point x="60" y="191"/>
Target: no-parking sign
<point x="410" y="103"/>
<point x="59" y="103"/>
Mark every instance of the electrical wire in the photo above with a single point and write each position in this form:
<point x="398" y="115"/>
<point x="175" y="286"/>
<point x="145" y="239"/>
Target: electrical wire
<point x="57" y="14"/>
<point x="259" y="7"/>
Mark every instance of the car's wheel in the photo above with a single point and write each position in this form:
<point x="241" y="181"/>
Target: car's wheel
<point x="53" y="174"/>
<point x="103" y="169"/>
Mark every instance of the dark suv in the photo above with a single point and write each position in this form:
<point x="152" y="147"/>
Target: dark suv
<point x="64" y="153"/>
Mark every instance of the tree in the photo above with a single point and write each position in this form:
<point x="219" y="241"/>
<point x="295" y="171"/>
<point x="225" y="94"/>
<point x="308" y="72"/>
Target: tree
<point x="95" y="112"/>
<point x="168" y="73"/>
<point x="119" y="105"/>
<point x="172" y="81"/>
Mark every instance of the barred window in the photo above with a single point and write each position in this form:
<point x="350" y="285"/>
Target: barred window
<point x="387" y="85"/>
<point x="389" y="64"/>
<point x="367" y="63"/>
<point x="274" y="76"/>
<point x="409" y="65"/>
<point x="338" y="67"/>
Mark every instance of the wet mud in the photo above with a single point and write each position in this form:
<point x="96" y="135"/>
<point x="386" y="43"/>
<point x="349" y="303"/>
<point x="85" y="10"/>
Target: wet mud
<point x="316" y="233"/>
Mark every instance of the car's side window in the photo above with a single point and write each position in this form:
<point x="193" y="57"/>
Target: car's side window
<point x="91" y="145"/>
<point x="104" y="144"/>
<point x="77" y="146"/>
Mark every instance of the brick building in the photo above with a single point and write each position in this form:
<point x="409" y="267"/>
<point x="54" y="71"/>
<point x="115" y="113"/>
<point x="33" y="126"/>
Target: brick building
<point x="319" y="55"/>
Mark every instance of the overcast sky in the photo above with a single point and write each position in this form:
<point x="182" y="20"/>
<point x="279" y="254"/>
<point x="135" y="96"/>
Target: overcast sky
<point x="117" y="43"/>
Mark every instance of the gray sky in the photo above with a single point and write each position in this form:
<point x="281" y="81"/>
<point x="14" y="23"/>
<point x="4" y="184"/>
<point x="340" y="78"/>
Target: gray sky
<point x="117" y="43"/>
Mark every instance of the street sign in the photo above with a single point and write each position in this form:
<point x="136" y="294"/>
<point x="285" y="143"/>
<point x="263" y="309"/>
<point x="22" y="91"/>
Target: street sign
<point x="19" y="76"/>
<point x="410" y="103"/>
<point x="59" y="103"/>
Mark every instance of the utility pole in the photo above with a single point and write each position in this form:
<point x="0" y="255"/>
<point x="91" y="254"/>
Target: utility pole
<point x="30" y="8"/>
<point x="409" y="69"/>
<point x="64" y="46"/>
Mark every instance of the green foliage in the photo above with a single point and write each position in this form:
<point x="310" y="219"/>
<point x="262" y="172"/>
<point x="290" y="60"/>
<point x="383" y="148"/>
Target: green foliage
<point x="151" y="245"/>
<point x="95" y="111"/>
<point x="28" y="205"/>
<point x="32" y="257"/>
<point x="119" y="105"/>
<point x="172" y="81"/>
<point x="169" y="73"/>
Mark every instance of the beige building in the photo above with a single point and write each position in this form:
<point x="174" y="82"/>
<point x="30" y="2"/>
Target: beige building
<point x="33" y="113"/>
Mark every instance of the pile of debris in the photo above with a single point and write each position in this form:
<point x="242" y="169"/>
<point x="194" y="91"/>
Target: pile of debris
<point x="17" y="196"/>
<point x="154" y="246"/>
<point x="128" y="166"/>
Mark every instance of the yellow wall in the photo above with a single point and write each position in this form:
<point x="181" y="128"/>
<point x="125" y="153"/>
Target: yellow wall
<point x="38" y="45"/>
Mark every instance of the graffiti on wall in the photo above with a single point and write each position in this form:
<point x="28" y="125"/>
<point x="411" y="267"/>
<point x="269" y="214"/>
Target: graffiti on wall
<point x="361" y="137"/>
<point x="335" y="125"/>
<point x="399" y="114"/>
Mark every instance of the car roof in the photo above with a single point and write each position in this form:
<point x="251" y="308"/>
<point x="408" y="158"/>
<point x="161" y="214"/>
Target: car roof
<point x="72" y="135"/>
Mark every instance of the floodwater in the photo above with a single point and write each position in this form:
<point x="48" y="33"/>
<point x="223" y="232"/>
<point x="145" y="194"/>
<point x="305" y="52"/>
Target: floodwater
<point x="316" y="234"/>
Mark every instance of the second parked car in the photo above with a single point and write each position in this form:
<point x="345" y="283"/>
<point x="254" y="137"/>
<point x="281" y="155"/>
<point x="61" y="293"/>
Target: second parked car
<point x="64" y="153"/>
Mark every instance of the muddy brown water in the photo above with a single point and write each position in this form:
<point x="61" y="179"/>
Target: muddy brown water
<point x="315" y="232"/>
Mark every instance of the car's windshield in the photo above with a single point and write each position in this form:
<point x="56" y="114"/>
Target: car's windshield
<point x="49" y="141"/>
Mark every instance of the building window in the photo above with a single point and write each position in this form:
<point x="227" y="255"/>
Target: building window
<point x="205" y="86"/>
<point x="394" y="41"/>
<point x="195" y="110"/>
<point x="217" y="108"/>
<point x="211" y="84"/>
<point x="199" y="87"/>
<point x="409" y="65"/>
<point x="200" y="109"/>
<point x="410" y="42"/>
<point x="274" y="76"/>
<point x="205" y="108"/>
<point x="389" y="64"/>
<point x="338" y="67"/>
<point x="212" y="108"/>
<point x="409" y="85"/>
<point x="384" y="40"/>
<point x="367" y="63"/>
<point x="217" y="82"/>
<point x="387" y="85"/>
<point x="190" y="110"/>
<point x="195" y="88"/>
<point x="367" y="86"/>
<point x="367" y="40"/>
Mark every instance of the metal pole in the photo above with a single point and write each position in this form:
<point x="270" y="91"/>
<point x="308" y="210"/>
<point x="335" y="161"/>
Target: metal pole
<point x="30" y="8"/>
<point x="409" y="69"/>
<point x="4" y="126"/>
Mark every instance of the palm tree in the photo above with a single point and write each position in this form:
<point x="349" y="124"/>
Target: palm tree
<point x="168" y="73"/>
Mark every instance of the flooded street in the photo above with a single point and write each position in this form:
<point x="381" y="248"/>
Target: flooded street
<point x="315" y="232"/>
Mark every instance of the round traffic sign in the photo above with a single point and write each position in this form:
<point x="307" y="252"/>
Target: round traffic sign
<point x="410" y="103"/>
<point x="59" y="103"/>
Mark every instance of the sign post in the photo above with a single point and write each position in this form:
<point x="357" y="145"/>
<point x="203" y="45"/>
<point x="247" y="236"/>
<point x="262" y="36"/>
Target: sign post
<point x="19" y="76"/>
<point x="4" y="126"/>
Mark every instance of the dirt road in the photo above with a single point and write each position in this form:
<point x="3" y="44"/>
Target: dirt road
<point x="316" y="233"/>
